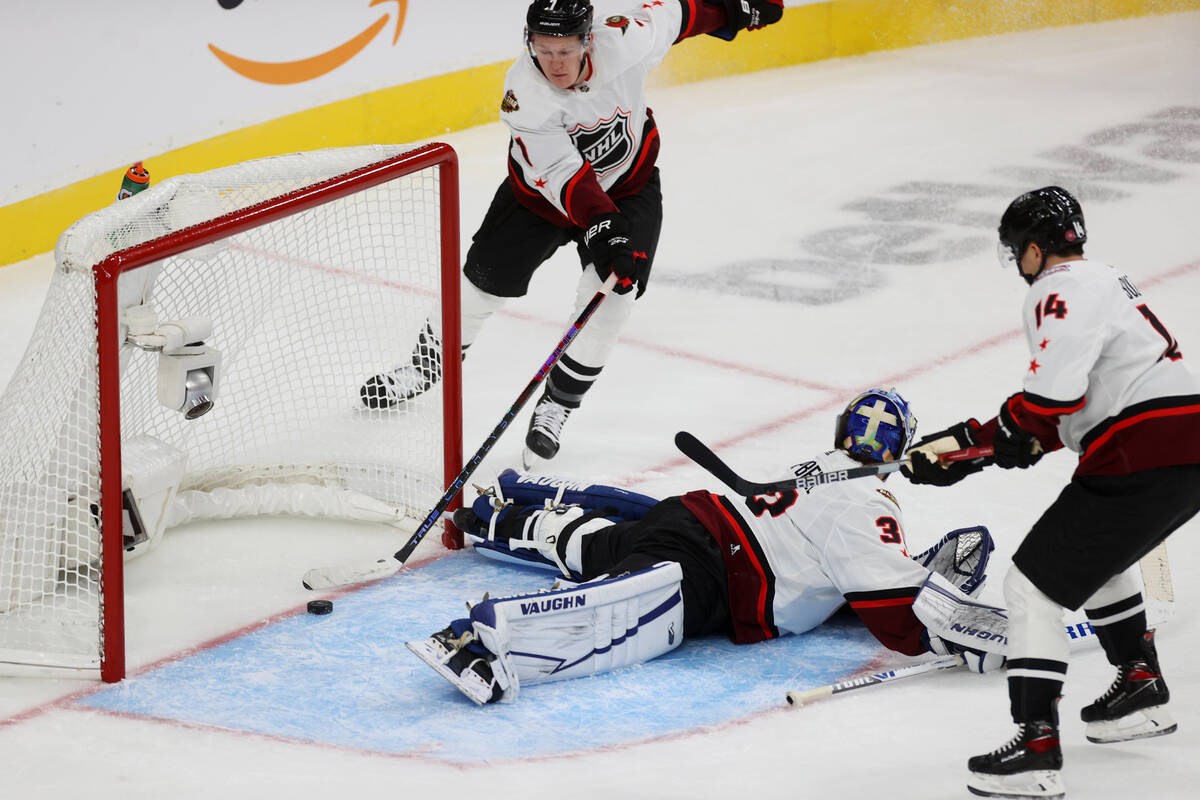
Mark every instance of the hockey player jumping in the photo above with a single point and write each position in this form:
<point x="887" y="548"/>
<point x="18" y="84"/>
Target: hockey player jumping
<point x="581" y="169"/>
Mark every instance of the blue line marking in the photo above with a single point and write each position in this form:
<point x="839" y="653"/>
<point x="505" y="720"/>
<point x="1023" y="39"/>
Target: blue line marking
<point x="347" y="680"/>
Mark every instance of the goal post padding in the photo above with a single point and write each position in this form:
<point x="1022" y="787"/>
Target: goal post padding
<point x="310" y="272"/>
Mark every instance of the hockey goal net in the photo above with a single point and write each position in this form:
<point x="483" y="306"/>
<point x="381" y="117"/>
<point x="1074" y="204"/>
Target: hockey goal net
<point x="270" y="289"/>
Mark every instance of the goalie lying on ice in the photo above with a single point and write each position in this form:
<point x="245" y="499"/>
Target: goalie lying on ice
<point x="639" y="575"/>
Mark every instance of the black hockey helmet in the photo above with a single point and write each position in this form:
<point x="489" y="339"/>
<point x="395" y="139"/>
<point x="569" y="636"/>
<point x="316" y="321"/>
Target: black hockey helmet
<point x="1048" y="217"/>
<point x="559" y="18"/>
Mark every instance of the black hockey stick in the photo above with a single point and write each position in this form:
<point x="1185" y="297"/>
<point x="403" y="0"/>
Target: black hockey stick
<point x="347" y="575"/>
<point x="697" y="451"/>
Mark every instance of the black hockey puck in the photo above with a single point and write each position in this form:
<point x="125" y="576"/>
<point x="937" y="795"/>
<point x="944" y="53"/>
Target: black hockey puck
<point x="320" y="607"/>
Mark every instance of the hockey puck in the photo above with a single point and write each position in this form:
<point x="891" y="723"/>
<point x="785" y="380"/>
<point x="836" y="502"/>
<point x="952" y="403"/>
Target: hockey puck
<point x="320" y="607"/>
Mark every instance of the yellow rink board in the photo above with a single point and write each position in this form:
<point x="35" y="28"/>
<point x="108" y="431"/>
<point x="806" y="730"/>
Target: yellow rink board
<point x="421" y="110"/>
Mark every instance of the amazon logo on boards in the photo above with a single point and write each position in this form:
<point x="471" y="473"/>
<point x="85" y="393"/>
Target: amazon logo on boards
<point x="309" y="67"/>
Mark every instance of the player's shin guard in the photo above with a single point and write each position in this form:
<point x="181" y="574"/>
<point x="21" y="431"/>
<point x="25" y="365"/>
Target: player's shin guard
<point x="584" y="629"/>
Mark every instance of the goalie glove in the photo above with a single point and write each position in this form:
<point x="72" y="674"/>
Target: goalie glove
<point x="748" y="15"/>
<point x="923" y="465"/>
<point x="977" y="661"/>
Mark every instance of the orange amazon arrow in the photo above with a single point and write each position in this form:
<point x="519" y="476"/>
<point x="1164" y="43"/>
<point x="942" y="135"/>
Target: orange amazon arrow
<point x="306" y="69"/>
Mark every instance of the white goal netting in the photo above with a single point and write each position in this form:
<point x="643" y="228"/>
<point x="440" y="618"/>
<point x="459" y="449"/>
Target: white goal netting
<point x="303" y="297"/>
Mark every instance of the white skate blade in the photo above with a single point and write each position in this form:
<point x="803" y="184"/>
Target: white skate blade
<point x="531" y="461"/>
<point x="1038" y="784"/>
<point x="1141" y="724"/>
<point x="436" y="656"/>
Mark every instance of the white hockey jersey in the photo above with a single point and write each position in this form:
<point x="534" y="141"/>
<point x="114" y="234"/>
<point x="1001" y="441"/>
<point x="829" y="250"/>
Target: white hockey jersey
<point x="1105" y="376"/>
<point x="574" y="150"/>
<point x="794" y="558"/>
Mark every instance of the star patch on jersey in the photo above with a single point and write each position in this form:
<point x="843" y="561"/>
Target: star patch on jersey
<point x="618" y="22"/>
<point x="509" y="103"/>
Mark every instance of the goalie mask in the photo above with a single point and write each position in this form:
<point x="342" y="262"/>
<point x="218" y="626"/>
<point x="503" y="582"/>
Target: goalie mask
<point x="877" y="422"/>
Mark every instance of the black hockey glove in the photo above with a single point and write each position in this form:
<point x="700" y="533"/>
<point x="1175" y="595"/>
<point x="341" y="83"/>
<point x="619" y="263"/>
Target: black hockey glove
<point x="1015" y="447"/>
<point x="747" y="15"/>
<point x="608" y="241"/>
<point x="924" y="467"/>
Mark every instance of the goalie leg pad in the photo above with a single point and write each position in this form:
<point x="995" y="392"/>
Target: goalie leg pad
<point x="503" y="512"/>
<point x="550" y="537"/>
<point x="584" y="629"/>
<point x="530" y="489"/>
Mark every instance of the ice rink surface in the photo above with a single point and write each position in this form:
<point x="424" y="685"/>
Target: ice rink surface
<point x="828" y="228"/>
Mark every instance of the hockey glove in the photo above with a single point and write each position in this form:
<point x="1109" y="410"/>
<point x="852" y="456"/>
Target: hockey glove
<point x="608" y="242"/>
<point x="1015" y="447"/>
<point x="978" y="661"/>
<point x="924" y="467"/>
<point x="748" y="15"/>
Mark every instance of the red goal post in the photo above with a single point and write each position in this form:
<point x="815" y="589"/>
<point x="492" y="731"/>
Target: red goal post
<point x="279" y="285"/>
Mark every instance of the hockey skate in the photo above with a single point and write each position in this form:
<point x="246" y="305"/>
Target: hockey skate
<point x="390" y="389"/>
<point x="460" y="659"/>
<point x="1134" y="707"/>
<point x="545" y="431"/>
<point x="1029" y="766"/>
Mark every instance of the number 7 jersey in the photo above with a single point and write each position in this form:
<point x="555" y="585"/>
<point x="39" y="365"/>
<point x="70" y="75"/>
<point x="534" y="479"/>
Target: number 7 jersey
<point x="1106" y="371"/>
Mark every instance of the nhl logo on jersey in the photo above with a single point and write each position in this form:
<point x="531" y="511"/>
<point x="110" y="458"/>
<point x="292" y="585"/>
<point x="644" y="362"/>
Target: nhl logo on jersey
<point x="619" y="22"/>
<point x="607" y="145"/>
<point x="509" y="103"/>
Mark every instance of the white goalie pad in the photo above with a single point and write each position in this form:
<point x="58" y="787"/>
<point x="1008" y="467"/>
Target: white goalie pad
<point x="952" y="615"/>
<point x="584" y="629"/>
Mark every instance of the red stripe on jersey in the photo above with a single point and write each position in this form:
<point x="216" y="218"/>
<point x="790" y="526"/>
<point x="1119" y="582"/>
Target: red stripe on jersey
<point x="1057" y="409"/>
<point x="1034" y="419"/>
<point x="700" y="18"/>
<point x="750" y="580"/>
<point x="524" y="152"/>
<point x="754" y="562"/>
<point x="892" y="622"/>
<point x="895" y="601"/>
<point x="1158" y="437"/>
<point x="648" y="146"/>
<point x="583" y="198"/>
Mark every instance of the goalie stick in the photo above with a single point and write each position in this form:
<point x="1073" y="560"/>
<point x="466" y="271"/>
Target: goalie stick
<point x="350" y="574"/>
<point x="697" y="451"/>
<point x="1080" y="632"/>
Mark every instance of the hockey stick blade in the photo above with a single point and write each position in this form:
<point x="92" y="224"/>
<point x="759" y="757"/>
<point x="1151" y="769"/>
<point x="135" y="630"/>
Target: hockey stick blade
<point x="697" y="451"/>
<point x="800" y="698"/>
<point x="348" y="575"/>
